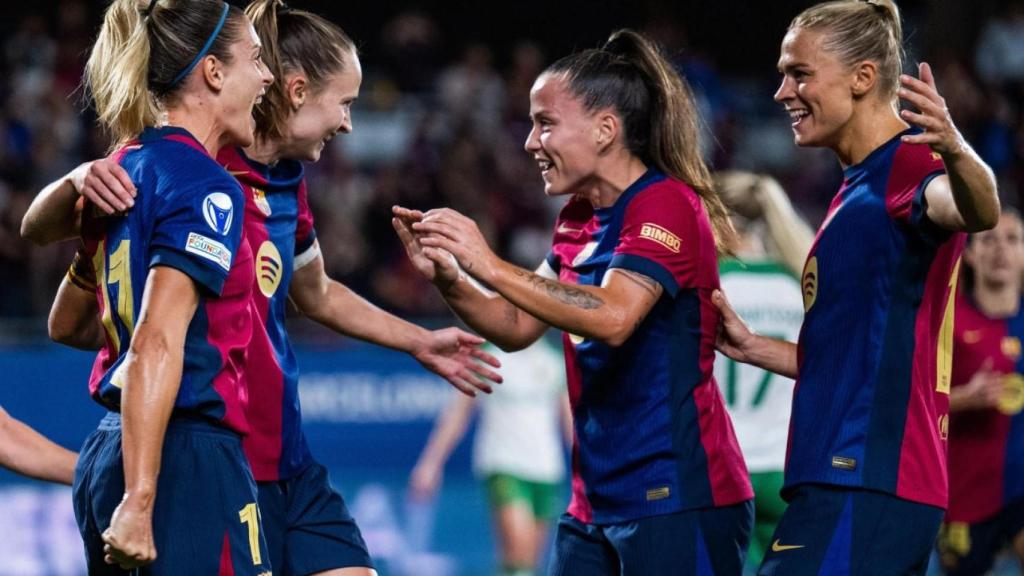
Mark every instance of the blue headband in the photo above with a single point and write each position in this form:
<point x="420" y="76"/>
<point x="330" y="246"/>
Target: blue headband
<point x="206" y="47"/>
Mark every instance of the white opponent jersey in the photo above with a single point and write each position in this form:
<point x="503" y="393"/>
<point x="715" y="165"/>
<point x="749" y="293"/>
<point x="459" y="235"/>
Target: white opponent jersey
<point x="769" y="299"/>
<point x="519" y="431"/>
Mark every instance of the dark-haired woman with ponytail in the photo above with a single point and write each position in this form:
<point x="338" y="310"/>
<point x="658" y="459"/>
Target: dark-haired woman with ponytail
<point x="307" y="525"/>
<point x="659" y="485"/>
<point x="866" y="466"/>
<point x="163" y="487"/>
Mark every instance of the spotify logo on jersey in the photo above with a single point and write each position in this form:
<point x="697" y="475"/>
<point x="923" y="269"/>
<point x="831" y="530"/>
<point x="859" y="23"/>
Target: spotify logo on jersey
<point x="268" y="268"/>
<point x="809" y="285"/>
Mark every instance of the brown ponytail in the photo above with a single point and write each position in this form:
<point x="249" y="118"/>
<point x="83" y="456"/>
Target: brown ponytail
<point x="294" y="41"/>
<point x="659" y="116"/>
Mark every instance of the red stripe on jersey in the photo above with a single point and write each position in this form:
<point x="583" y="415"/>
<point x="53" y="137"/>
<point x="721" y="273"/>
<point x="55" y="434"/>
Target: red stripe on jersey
<point x="922" y="470"/>
<point x="727" y="471"/>
<point x="229" y="330"/>
<point x="227" y="567"/>
<point x="263" y="445"/>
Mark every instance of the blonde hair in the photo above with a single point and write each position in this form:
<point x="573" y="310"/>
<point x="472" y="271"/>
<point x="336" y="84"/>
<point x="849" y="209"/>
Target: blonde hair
<point x="294" y="40"/>
<point x="141" y="48"/>
<point x="859" y="30"/>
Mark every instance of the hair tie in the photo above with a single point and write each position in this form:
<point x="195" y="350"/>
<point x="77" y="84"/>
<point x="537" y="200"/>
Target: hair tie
<point x="876" y="5"/>
<point x="206" y="48"/>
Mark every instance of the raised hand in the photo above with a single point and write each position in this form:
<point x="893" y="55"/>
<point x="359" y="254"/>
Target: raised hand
<point x="435" y="265"/>
<point x="129" y="539"/>
<point x="459" y="235"/>
<point x="932" y="116"/>
<point x="106" y="184"/>
<point x="455" y="355"/>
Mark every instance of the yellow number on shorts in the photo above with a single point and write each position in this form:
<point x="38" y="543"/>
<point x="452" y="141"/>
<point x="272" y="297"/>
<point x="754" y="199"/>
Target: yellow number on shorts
<point x="944" y="354"/>
<point x="250" y="516"/>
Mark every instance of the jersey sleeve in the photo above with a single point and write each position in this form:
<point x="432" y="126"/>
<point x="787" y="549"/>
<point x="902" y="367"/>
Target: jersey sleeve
<point x="914" y="167"/>
<point x="306" y="248"/>
<point x="197" y="230"/>
<point x="660" y="238"/>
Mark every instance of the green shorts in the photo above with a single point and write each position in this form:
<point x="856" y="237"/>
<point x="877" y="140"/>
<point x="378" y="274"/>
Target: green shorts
<point x="541" y="497"/>
<point x="768" y="509"/>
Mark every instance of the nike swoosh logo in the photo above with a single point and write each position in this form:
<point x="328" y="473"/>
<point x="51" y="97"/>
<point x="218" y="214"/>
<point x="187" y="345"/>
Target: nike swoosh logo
<point x="562" y="228"/>
<point x="776" y="547"/>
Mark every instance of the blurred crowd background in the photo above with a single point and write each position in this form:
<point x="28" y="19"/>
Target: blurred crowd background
<point x="443" y="115"/>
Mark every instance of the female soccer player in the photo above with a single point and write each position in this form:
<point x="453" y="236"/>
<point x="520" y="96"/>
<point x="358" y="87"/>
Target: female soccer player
<point x="517" y="452"/>
<point x="866" y="466"/>
<point x="307" y="525"/>
<point x="164" y="483"/>
<point x="986" y="428"/>
<point x="763" y="282"/>
<point x="659" y="484"/>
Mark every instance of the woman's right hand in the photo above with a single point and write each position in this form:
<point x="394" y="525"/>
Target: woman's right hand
<point x="434" y="264"/>
<point x="106" y="184"/>
<point x="129" y="539"/>
<point x="734" y="336"/>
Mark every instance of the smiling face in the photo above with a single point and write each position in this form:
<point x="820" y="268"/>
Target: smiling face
<point x="323" y="112"/>
<point x="816" y="89"/>
<point x="564" y="137"/>
<point x="245" y="80"/>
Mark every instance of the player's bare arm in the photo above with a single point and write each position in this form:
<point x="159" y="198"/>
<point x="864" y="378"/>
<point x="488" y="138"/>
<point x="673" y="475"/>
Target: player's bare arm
<point x="152" y="376"/>
<point x="965" y="198"/>
<point x="74" y="315"/>
<point x="450" y="353"/>
<point x="486" y="311"/>
<point x="739" y="342"/>
<point x="56" y="212"/>
<point x="25" y="451"/>
<point x="608" y="313"/>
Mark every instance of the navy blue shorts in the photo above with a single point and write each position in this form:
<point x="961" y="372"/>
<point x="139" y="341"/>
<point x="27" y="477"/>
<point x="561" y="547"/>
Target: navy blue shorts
<point x="971" y="549"/>
<point x="205" y="518"/>
<point x="705" y="542"/>
<point x="832" y="530"/>
<point x="308" y="526"/>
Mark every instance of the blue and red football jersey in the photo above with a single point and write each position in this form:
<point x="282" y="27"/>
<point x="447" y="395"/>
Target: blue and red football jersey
<point x="188" y="216"/>
<point x="871" y="402"/>
<point x="986" y="447"/>
<point x="279" y="230"/>
<point x="652" y="433"/>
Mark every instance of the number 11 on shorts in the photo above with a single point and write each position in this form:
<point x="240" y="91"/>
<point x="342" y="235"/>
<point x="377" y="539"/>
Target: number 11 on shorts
<point x="250" y="516"/>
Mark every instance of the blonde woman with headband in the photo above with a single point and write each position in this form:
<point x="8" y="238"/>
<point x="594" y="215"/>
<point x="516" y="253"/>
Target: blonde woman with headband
<point x="307" y="525"/>
<point x="866" y="463"/>
<point x="163" y="487"/>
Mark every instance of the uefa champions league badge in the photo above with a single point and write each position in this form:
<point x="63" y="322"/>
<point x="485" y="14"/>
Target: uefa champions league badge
<point x="218" y="212"/>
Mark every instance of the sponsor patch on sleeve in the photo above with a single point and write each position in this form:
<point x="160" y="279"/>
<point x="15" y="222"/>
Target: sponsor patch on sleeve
<point x="209" y="249"/>
<point x="661" y="236"/>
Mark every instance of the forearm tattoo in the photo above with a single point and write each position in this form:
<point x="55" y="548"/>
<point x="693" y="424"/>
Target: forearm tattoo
<point x="566" y="294"/>
<point x="646" y="282"/>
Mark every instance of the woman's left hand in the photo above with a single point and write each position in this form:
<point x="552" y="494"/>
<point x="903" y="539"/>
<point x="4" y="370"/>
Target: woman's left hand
<point x="447" y="229"/>
<point x="932" y="116"/>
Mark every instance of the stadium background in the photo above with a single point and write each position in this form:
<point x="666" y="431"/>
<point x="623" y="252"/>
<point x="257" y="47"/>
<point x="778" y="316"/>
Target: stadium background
<point x="440" y="121"/>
